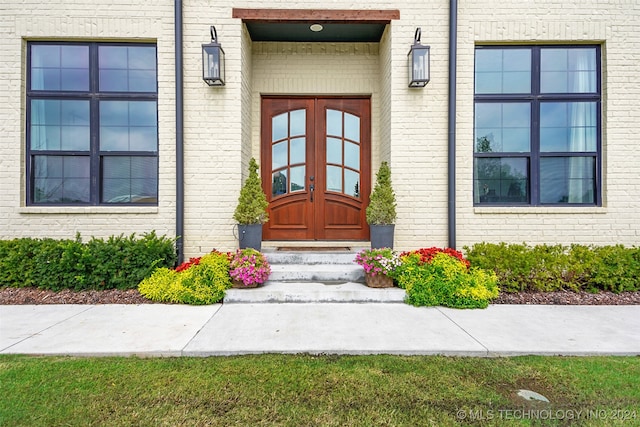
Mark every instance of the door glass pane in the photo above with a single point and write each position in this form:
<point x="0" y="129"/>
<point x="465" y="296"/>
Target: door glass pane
<point x="297" y="178"/>
<point x="334" y="123"/>
<point x="298" y="150"/>
<point x="279" y="127"/>
<point x="334" y="151"/>
<point x="279" y="155"/>
<point x="351" y="183"/>
<point x="352" y="127"/>
<point x="352" y="155"/>
<point x="567" y="180"/>
<point x="279" y="183"/>
<point x="334" y="178"/>
<point x="568" y="126"/>
<point x="298" y="122"/>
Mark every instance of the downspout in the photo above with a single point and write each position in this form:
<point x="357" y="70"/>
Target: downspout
<point x="179" y="134"/>
<point x="451" y="176"/>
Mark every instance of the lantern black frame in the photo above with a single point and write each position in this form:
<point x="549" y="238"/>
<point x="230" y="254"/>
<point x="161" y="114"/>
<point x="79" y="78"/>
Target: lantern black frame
<point x="213" y="72"/>
<point x="419" y="62"/>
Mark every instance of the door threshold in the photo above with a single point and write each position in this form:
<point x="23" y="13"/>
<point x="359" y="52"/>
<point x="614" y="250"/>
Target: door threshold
<point x="315" y="246"/>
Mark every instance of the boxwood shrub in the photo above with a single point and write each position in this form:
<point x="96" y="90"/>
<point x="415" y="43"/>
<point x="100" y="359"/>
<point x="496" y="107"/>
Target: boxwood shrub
<point x="522" y="267"/>
<point x="119" y="262"/>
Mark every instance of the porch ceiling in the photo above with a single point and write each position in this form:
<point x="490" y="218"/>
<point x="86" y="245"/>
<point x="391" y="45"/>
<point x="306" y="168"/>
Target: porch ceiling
<point x="293" y="25"/>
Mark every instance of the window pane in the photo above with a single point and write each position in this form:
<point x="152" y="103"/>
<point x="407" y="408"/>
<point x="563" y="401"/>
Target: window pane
<point x="501" y="180"/>
<point x="60" y="68"/>
<point x="567" y="180"/>
<point x="127" y="68"/>
<point x="334" y="123"/>
<point x="59" y="125"/>
<point x="568" y="70"/>
<point x="503" y="71"/>
<point x="334" y="178"/>
<point x="568" y="126"/>
<point x="279" y="183"/>
<point x="502" y="127"/>
<point x="297" y="178"/>
<point x="61" y="179"/>
<point x="334" y="151"/>
<point x="128" y="126"/>
<point x="298" y="122"/>
<point x="351" y="183"/>
<point x="130" y="179"/>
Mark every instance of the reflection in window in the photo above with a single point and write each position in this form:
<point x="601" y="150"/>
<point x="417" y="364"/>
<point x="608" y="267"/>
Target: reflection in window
<point x="288" y="152"/>
<point x="343" y="153"/>
<point x="70" y="126"/>
<point x="540" y="145"/>
<point x="127" y="68"/>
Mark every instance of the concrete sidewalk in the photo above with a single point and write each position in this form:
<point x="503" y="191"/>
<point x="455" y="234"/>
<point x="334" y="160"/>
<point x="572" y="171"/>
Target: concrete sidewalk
<point x="334" y="328"/>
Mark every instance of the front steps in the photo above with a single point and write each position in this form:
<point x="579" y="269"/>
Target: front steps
<point x="312" y="276"/>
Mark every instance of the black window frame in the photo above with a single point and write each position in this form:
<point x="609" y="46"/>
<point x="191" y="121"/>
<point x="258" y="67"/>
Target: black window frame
<point x="94" y="96"/>
<point x="535" y="98"/>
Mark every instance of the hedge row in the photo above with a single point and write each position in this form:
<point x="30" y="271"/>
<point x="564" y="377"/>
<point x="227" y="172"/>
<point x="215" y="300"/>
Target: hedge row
<point x="521" y="267"/>
<point x="118" y="262"/>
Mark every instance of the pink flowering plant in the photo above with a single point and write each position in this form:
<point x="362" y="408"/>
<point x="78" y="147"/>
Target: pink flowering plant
<point x="249" y="266"/>
<point x="378" y="261"/>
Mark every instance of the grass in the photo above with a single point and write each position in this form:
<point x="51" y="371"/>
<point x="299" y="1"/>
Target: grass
<point x="307" y="390"/>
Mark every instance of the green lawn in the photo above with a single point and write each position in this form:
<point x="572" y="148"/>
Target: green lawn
<point x="306" y="390"/>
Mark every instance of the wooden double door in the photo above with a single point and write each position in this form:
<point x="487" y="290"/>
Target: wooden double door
<point x="316" y="167"/>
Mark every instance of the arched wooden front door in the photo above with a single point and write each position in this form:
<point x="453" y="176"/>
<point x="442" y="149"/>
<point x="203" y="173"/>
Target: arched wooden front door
<point x="316" y="167"/>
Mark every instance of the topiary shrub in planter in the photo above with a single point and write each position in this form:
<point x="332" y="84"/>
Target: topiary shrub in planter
<point x="202" y="282"/>
<point x="445" y="280"/>
<point x="251" y="211"/>
<point x="381" y="212"/>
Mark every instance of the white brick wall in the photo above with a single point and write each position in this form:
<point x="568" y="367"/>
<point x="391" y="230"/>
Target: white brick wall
<point x="409" y="127"/>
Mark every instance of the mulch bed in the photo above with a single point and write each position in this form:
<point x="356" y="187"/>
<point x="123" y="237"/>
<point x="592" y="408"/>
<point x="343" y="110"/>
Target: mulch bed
<point x="22" y="296"/>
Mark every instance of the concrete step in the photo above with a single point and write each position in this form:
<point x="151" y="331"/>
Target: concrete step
<point x="316" y="273"/>
<point x="313" y="292"/>
<point x="310" y="258"/>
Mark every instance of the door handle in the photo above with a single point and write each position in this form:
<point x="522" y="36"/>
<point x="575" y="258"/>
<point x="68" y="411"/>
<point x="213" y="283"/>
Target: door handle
<point x="311" y="190"/>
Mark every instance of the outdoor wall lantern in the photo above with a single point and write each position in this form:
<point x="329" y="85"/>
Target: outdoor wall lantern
<point x="419" y="63"/>
<point x="213" y="61"/>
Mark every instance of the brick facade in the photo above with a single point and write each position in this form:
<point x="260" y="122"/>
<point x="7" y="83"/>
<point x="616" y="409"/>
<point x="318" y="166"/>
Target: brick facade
<point x="409" y="127"/>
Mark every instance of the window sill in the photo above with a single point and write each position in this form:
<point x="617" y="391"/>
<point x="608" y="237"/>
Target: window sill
<point x="88" y="210"/>
<point x="507" y="210"/>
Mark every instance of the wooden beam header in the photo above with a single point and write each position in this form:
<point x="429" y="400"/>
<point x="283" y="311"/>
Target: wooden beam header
<point x="317" y="15"/>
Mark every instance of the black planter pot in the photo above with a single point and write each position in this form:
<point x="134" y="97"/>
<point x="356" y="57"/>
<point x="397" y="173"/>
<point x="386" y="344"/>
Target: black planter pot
<point x="382" y="236"/>
<point x="250" y="236"/>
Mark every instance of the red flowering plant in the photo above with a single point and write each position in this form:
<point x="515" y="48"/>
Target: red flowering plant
<point x="188" y="264"/>
<point x="249" y="266"/>
<point x="378" y="261"/>
<point x="427" y="254"/>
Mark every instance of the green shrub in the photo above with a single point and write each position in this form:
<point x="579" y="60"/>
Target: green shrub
<point x="202" y="283"/>
<point x="542" y="268"/>
<point x="445" y="281"/>
<point x="118" y="262"/>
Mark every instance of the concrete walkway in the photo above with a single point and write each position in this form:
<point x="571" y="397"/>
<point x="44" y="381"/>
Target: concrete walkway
<point x="339" y="328"/>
